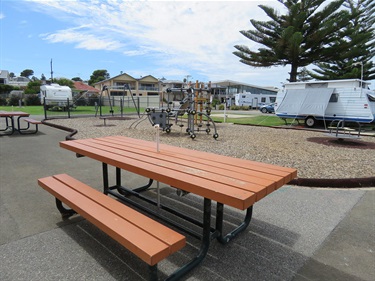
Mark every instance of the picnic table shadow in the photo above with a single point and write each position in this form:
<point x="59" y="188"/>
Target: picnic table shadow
<point x="249" y="255"/>
<point x="24" y="135"/>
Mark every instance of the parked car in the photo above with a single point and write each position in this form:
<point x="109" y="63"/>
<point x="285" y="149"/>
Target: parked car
<point x="267" y="108"/>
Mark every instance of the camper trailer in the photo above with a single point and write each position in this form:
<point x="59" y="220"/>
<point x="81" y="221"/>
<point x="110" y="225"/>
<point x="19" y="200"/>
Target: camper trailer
<point x="253" y="100"/>
<point x="56" y="95"/>
<point x="346" y="100"/>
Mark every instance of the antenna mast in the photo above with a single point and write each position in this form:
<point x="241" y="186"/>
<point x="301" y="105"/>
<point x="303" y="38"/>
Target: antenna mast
<point x="51" y="72"/>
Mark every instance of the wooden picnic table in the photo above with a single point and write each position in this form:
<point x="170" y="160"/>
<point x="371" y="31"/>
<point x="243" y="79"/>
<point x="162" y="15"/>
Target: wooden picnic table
<point x="9" y="115"/>
<point x="225" y="180"/>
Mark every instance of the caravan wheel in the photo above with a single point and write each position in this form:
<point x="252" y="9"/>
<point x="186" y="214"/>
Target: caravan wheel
<point x="310" y="122"/>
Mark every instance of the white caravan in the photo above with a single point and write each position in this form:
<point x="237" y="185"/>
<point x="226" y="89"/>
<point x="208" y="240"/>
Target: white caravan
<point x="253" y="100"/>
<point x="56" y="95"/>
<point x="346" y="100"/>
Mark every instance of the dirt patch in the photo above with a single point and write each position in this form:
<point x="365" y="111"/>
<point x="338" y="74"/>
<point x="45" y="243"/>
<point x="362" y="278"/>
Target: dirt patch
<point x="343" y="143"/>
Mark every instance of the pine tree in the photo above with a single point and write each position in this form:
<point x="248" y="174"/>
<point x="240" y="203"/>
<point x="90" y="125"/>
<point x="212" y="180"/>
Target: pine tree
<point x="359" y="37"/>
<point x="298" y="38"/>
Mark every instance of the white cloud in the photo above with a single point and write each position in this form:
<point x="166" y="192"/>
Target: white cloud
<point x="179" y="35"/>
<point x="82" y="38"/>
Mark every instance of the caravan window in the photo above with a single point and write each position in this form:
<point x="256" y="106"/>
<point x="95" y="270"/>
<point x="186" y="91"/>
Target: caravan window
<point x="272" y="99"/>
<point x="334" y="97"/>
<point x="263" y="99"/>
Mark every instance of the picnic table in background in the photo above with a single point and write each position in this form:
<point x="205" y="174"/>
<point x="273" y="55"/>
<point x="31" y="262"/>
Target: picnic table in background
<point x="12" y="125"/>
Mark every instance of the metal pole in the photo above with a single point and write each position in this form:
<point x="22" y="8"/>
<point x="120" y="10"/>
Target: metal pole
<point x="68" y="107"/>
<point x="45" y="108"/>
<point x="157" y="126"/>
<point x="361" y="78"/>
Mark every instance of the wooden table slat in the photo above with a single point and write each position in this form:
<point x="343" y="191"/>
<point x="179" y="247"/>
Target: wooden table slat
<point x="219" y="192"/>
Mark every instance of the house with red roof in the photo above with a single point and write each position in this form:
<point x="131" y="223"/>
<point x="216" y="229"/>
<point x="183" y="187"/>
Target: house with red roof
<point x="82" y="88"/>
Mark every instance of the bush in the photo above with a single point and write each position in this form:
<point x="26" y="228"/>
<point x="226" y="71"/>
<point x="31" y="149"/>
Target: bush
<point x="3" y="101"/>
<point x="93" y="99"/>
<point x="14" y="100"/>
<point x="237" y="107"/>
<point x="81" y="102"/>
<point x="32" y="99"/>
<point x="215" y="102"/>
<point x="221" y="107"/>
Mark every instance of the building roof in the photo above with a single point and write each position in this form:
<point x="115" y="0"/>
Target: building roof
<point x="228" y="83"/>
<point x="165" y="81"/>
<point x="78" y="85"/>
<point x="123" y="75"/>
<point x="4" y="74"/>
<point x="20" y="79"/>
<point x="115" y="77"/>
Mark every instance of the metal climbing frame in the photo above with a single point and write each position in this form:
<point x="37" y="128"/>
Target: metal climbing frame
<point x="195" y="105"/>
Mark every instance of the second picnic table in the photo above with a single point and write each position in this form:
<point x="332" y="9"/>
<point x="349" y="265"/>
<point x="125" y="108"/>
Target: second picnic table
<point x="14" y="126"/>
<point x="234" y="182"/>
<point x="10" y="115"/>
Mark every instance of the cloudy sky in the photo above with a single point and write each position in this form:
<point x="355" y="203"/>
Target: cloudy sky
<point x="171" y="39"/>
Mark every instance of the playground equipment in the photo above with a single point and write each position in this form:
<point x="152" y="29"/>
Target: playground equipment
<point x="337" y="129"/>
<point x="196" y="104"/>
<point x="110" y="103"/>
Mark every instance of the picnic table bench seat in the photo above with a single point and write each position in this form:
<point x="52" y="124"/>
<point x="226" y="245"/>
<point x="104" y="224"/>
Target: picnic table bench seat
<point x="31" y="121"/>
<point x="146" y="238"/>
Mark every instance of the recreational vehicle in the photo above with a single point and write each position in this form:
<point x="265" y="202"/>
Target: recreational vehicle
<point x="56" y="95"/>
<point x="347" y="100"/>
<point x="253" y="100"/>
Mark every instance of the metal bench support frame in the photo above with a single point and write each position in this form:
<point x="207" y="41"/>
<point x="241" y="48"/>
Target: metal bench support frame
<point x="208" y="233"/>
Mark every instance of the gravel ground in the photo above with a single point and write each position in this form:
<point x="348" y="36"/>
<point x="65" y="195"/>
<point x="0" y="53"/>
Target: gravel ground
<point x="288" y="148"/>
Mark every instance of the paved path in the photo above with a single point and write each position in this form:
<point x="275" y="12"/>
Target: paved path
<point x="296" y="233"/>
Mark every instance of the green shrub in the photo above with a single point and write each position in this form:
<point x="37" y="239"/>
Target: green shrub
<point x="93" y="99"/>
<point x="32" y="99"/>
<point x="14" y="100"/>
<point x="3" y="101"/>
<point x="221" y="107"/>
<point x="81" y="102"/>
<point x="215" y="102"/>
<point x="237" y="107"/>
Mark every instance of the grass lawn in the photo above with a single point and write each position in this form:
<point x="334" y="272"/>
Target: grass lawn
<point x="33" y="110"/>
<point x="39" y="110"/>
<point x="266" y="120"/>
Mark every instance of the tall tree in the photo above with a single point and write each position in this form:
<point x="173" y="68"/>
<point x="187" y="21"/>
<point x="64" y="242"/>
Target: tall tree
<point x="298" y="38"/>
<point x="360" y="33"/>
<point x="27" y="73"/>
<point x="64" y="82"/>
<point x="33" y="87"/>
<point x="98" y="75"/>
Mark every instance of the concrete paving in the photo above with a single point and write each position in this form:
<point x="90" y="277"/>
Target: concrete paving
<point x="296" y="233"/>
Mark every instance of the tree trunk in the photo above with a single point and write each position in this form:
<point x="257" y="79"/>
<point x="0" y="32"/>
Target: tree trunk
<point x="293" y="72"/>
